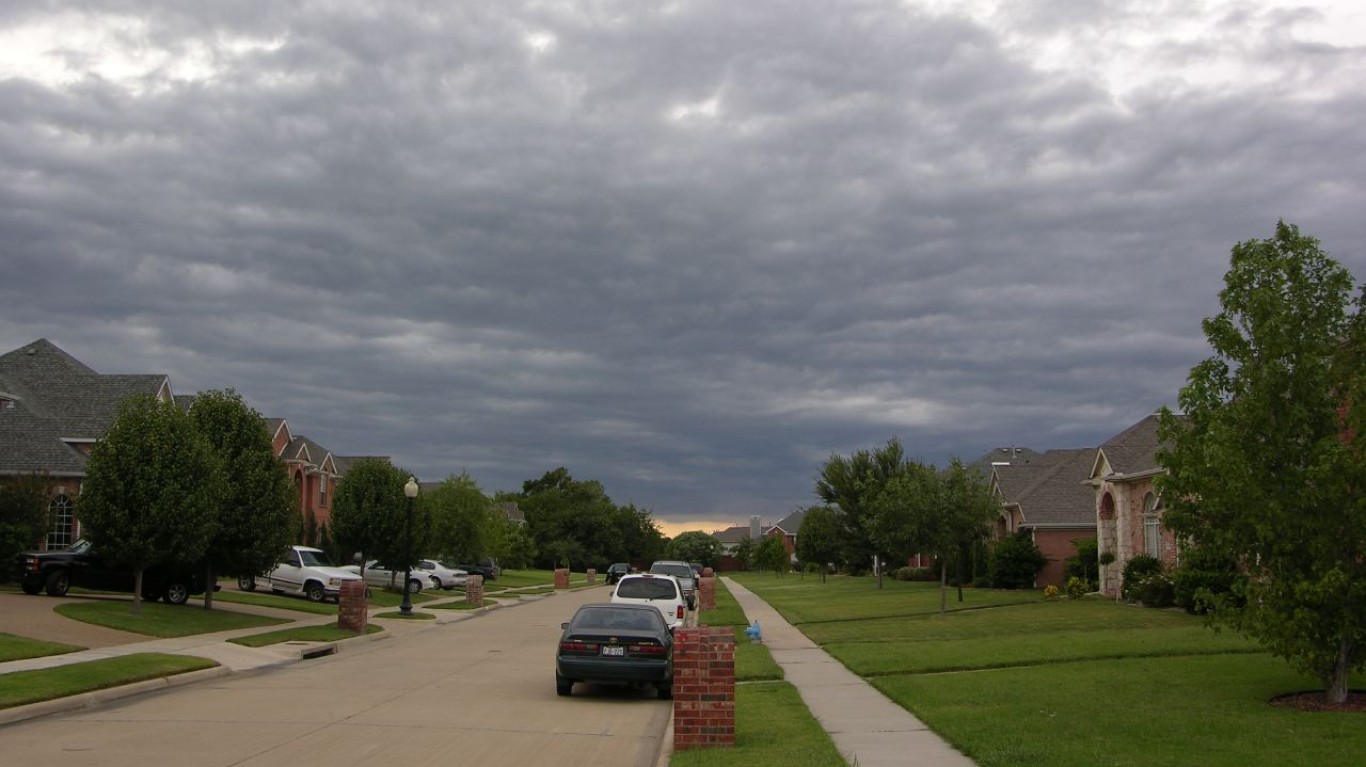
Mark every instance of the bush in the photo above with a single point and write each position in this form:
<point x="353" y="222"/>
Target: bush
<point x="981" y="582"/>
<point x="1137" y="569"/>
<point x="916" y="574"/>
<point x="1077" y="587"/>
<point x="1050" y="592"/>
<point x="1015" y="562"/>
<point x="1155" y="590"/>
<point x="1202" y="578"/>
<point x="1085" y="563"/>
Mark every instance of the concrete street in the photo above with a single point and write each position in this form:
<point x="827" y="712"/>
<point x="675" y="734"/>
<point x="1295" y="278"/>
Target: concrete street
<point x="478" y="691"/>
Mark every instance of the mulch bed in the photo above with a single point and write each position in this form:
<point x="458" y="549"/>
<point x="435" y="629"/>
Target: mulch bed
<point x="1314" y="701"/>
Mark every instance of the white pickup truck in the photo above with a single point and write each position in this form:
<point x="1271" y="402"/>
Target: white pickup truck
<point x="302" y="570"/>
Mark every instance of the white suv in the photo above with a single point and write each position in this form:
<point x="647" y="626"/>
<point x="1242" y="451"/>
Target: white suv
<point x="661" y="592"/>
<point x="302" y="570"/>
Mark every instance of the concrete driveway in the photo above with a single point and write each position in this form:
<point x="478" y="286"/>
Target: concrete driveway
<point x="478" y="691"/>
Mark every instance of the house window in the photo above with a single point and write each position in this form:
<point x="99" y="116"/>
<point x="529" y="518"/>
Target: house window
<point x="322" y="491"/>
<point x="63" y="519"/>
<point x="1152" y="529"/>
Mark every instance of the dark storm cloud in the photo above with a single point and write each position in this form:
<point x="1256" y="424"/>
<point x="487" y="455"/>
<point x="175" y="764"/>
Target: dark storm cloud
<point x="688" y="249"/>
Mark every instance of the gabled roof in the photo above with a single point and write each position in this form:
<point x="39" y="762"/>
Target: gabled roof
<point x="1051" y="490"/>
<point x="55" y="400"/>
<point x="1132" y="452"/>
<point x="736" y="534"/>
<point x="789" y="524"/>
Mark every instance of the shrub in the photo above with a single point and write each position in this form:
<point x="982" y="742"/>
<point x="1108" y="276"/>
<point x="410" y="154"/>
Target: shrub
<point x="916" y="574"/>
<point x="1202" y="578"/>
<point x="1050" y="592"/>
<point x="1014" y="562"/>
<point x="1085" y="563"/>
<point x="1077" y="587"/>
<point x="1155" y="590"/>
<point x="1135" y="570"/>
<point x="981" y="582"/>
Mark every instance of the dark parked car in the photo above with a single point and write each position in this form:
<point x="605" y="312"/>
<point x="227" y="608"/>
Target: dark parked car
<point x="83" y="567"/>
<point x="614" y="572"/>
<point x="617" y="643"/>
<point x="486" y="567"/>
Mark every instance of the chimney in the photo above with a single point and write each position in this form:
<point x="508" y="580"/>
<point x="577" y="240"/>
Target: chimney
<point x="755" y="529"/>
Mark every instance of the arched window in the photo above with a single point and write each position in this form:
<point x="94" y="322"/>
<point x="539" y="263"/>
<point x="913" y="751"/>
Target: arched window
<point x="1152" y="529"/>
<point x="63" y="513"/>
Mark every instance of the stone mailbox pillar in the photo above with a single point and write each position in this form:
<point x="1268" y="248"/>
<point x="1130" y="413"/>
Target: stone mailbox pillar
<point x="704" y="687"/>
<point x="352" y="612"/>
<point x="561" y="578"/>
<point x="474" y="590"/>
<point x="592" y="576"/>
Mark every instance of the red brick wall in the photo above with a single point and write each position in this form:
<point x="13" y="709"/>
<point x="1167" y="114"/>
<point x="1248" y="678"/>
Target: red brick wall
<point x="704" y="687"/>
<point x="352" y="610"/>
<point x="474" y="590"/>
<point x="1057" y="546"/>
<point x="562" y="578"/>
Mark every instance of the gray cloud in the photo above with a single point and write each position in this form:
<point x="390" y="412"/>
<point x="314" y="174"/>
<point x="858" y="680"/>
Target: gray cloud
<point x="687" y="249"/>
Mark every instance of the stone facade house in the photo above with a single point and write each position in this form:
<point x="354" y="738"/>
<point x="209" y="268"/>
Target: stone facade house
<point x="1128" y="508"/>
<point x="1046" y="496"/>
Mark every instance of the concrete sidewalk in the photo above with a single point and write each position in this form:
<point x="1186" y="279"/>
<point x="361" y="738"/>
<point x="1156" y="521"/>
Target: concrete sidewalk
<point x="868" y="728"/>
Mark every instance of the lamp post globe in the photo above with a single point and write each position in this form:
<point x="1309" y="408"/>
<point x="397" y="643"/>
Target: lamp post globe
<point x="410" y="491"/>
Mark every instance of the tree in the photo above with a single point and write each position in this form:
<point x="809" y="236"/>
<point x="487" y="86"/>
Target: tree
<point x="744" y="552"/>
<point x="695" y="546"/>
<point x="818" y="538"/>
<point x="369" y="514"/>
<point x="258" y="506"/>
<point x="463" y="520"/>
<point x="1015" y="561"/>
<point x="771" y="554"/>
<point x="969" y="509"/>
<point x="153" y="490"/>
<point x="24" y="503"/>
<point x="853" y="484"/>
<point x="575" y="522"/>
<point x="1267" y="464"/>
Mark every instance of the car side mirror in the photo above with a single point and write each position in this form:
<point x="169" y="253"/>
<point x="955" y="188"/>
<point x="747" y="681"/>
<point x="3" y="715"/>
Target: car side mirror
<point x="564" y="625"/>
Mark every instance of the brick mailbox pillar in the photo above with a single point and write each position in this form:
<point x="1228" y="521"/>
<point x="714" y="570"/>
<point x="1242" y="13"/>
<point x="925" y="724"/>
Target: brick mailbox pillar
<point x="592" y="576"/>
<point x="706" y="591"/>
<point x="704" y="687"/>
<point x="561" y="578"/>
<point x="474" y="590"/>
<point x="352" y="612"/>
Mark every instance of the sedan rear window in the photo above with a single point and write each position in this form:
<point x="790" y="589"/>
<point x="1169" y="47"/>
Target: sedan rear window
<point x="647" y="588"/>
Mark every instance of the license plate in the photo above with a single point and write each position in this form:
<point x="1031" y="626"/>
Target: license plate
<point x="611" y="650"/>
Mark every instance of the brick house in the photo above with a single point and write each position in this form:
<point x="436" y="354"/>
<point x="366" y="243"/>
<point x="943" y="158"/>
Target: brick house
<point x="1046" y="495"/>
<point x="53" y="409"/>
<point x="1128" y="508"/>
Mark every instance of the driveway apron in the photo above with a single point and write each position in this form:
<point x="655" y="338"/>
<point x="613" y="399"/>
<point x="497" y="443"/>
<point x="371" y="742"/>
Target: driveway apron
<point x="478" y="691"/>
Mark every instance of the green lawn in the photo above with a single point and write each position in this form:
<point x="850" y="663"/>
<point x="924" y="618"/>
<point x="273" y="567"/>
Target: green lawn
<point x="19" y="688"/>
<point x="1011" y="680"/>
<point x="279" y="601"/>
<point x="161" y="620"/>
<point x="18" y="648"/>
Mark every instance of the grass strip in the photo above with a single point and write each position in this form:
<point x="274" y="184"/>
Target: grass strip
<point x="461" y="605"/>
<point x="325" y="633"/>
<point x="18" y="648"/>
<point x="20" y="688"/>
<point x="279" y="601"/>
<point x="161" y="620"/>
<point x="773" y="728"/>
<point x="415" y="616"/>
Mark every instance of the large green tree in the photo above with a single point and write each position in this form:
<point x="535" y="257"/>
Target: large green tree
<point x="1267" y="463"/>
<point x="575" y="523"/>
<point x="153" y="490"/>
<point x="464" y="524"/>
<point x="818" y="540"/>
<point x="695" y="546"/>
<point x="369" y="514"/>
<point x="853" y="484"/>
<point x="257" y="516"/>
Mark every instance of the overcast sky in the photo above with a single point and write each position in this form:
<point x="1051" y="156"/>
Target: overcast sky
<point x="688" y="249"/>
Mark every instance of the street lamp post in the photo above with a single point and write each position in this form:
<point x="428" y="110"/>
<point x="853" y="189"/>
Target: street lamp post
<point x="410" y="490"/>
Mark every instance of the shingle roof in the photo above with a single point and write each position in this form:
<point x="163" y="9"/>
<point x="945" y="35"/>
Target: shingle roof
<point x="1133" y="450"/>
<point x="1051" y="489"/>
<point x="791" y="523"/>
<point x="736" y="534"/>
<point x="56" y="398"/>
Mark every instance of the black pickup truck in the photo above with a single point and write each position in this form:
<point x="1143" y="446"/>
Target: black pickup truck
<point x="82" y="566"/>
